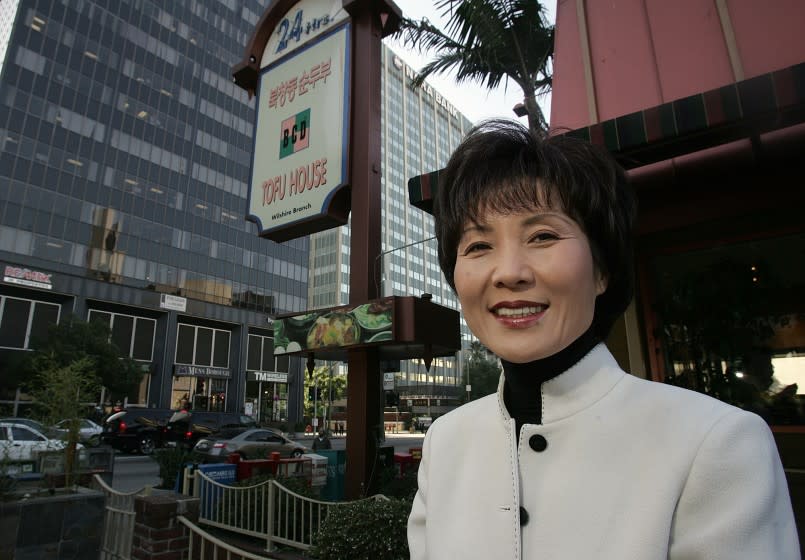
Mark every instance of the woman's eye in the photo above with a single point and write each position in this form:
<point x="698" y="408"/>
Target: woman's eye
<point x="544" y="236"/>
<point x="475" y="247"/>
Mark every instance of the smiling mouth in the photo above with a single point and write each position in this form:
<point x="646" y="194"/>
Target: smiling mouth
<point x="519" y="311"/>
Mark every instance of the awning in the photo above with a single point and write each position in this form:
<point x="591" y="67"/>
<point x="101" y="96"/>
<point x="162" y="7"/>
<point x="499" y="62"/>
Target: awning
<point x="745" y="109"/>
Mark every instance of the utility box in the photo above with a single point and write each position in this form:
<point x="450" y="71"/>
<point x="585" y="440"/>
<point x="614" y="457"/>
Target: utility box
<point x="333" y="491"/>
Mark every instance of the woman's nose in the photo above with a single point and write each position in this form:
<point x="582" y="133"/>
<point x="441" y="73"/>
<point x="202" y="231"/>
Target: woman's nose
<point x="512" y="270"/>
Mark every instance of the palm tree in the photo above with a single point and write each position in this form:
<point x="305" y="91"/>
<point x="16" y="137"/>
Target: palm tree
<point x="487" y="40"/>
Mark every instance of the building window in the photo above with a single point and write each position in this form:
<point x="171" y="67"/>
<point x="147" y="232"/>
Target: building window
<point x="23" y="322"/>
<point x="202" y="346"/>
<point x="133" y="335"/>
<point x="261" y="355"/>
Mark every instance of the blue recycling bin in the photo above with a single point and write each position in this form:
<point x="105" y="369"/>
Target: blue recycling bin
<point x="333" y="491"/>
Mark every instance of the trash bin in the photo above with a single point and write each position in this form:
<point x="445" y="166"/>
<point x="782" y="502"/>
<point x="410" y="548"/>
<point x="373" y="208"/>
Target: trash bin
<point x="333" y="491"/>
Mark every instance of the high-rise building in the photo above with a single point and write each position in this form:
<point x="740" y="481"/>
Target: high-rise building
<point x="420" y="129"/>
<point x="123" y="181"/>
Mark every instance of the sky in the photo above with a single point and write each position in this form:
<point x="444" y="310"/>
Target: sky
<point x="472" y="99"/>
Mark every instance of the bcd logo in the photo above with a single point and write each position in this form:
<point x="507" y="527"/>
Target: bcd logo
<point x="295" y="134"/>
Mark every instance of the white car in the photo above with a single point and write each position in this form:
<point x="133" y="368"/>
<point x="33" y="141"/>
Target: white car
<point x="88" y="431"/>
<point x="22" y="443"/>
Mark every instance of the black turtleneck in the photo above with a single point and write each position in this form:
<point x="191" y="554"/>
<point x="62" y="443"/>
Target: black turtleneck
<point x="522" y="389"/>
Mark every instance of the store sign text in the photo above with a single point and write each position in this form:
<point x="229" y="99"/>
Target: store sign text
<point x="303" y="23"/>
<point x="410" y="73"/>
<point x="292" y="32"/>
<point x="299" y="85"/>
<point x="297" y="181"/>
<point x="27" y="277"/>
<point x="271" y="376"/>
<point x="199" y="371"/>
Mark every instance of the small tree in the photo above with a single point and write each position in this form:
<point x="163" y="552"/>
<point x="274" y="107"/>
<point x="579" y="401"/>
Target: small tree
<point x="74" y="340"/>
<point x="58" y="391"/>
<point x="481" y="371"/>
<point x="324" y="379"/>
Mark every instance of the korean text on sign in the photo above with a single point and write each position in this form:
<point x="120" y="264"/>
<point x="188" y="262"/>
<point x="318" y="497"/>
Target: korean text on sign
<point x="299" y="85"/>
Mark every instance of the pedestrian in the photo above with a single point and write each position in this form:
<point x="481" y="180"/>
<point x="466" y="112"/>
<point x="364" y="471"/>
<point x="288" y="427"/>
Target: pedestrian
<point x="322" y="441"/>
<point x="573" y="458"/>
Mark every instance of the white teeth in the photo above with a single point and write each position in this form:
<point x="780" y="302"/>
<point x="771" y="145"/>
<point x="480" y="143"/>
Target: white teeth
<point x="519" y="311"/>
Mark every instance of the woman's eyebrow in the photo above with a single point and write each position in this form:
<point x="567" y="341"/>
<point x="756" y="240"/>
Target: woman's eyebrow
<point x="543" y="217"/>
<point x="474" y="227"/>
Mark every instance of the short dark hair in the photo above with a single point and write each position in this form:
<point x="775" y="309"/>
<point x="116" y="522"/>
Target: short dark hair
<point x="501" y="166"/>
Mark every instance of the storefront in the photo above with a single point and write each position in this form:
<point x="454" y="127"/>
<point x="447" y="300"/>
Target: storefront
<point x="266" y="379"/>
<point x="721" y="279"/>
<point x="190" y="352"/>
<point x="267" y="396"/>
<point x="31" y="302"/>
<point x="200" y="387"/>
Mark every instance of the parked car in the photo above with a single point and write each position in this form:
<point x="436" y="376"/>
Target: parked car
<point x="186" y="427"/>
<point x="253" y="443"/>
<point x="19" y="442"/>
<point x="88" y="431"/>
<point x="36" y="425"/>
<point x="136" y="429"/>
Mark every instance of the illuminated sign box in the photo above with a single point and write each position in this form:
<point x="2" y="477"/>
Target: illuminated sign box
<point x="402" y="327"/>
<point x="299" y="182"/>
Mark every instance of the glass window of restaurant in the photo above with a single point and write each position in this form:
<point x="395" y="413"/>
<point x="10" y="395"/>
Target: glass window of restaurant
<point x="204" y="384"/>
<point x="266" y="380"/>
<point x="730" y="320"/>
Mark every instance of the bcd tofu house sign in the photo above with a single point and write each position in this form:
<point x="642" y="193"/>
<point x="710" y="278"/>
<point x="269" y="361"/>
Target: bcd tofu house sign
<point x="299" y="171"/>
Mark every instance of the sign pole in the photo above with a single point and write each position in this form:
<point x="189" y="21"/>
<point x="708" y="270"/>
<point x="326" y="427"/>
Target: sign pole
<point x="296" y="183"/>
<point x="364" y="412"/>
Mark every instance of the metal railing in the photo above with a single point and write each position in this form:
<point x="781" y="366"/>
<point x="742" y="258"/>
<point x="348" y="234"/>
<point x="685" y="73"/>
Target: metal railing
<point x="266" y="510"/>
<point x="203" y="545"/>
<point x="118" y="523"/>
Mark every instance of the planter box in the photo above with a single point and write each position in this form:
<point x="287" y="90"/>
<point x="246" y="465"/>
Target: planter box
<point x="66" y="525"/>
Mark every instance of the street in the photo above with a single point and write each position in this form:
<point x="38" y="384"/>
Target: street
<point x="401" y="442"/>
<point x="133" y="472"/>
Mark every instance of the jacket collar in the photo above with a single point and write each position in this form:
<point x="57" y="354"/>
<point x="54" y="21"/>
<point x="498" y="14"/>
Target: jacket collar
<point x="574" y="390"/>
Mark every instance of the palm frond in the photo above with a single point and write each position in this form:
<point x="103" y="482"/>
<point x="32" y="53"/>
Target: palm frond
<point x="488" y="41"/>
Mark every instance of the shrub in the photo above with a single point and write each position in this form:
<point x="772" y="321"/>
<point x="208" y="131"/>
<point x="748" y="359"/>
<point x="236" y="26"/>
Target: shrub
<point x="364" y="530"/>
<point x="403" y="487"/>
<point x="171" y="460"/>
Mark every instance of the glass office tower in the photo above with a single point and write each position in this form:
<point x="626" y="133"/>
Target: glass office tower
<point x="123" y="182"/>
<point x="420" y="129"/>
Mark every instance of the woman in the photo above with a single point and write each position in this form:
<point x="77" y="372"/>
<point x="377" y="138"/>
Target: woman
<point x="572" y="458"/>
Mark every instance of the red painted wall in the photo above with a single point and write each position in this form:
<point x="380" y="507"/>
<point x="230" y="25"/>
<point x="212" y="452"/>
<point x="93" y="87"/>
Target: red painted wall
<point x="647" y="52"/>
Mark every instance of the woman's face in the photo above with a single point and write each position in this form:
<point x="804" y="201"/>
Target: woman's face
<point x="526" y="282"/>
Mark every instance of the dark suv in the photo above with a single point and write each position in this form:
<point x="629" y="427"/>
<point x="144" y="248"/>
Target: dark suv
<point x="136" y="429"/>
<point x="186" y="427"/>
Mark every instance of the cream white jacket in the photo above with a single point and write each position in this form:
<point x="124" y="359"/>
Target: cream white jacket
<point x="632" y="470"/>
